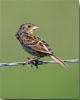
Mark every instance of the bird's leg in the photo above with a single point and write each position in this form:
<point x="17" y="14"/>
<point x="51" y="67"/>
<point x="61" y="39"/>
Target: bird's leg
<point x="33" y="61"/>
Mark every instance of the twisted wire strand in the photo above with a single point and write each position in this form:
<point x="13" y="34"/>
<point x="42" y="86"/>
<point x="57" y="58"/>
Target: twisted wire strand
<point x="39" y="63"/>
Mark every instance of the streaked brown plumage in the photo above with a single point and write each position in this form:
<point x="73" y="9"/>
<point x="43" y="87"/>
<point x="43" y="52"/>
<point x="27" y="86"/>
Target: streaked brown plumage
<point x="33" y="44"/>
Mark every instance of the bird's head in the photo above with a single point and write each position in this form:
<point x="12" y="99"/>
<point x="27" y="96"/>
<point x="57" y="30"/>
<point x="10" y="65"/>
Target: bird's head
<point x="28" y="27"/>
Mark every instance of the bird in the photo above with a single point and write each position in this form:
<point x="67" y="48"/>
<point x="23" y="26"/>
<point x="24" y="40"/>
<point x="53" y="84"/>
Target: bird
<point x="35" y="45"/>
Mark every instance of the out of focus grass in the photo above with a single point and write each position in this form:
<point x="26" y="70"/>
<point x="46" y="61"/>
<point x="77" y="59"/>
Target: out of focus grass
<point x="58" y="22"/>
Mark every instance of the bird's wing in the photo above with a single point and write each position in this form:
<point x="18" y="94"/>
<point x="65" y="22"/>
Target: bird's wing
<point x="35" y="43"/>
<point x="42" y="46"/>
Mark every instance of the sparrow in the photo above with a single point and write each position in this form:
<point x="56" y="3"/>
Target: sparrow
<point x="34" y="44"/>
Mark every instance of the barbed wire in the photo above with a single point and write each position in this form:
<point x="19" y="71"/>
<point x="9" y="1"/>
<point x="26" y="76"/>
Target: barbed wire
<point x="39" y="62"/>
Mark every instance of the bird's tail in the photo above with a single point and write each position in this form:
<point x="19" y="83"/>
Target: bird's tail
<point x="58" y="60"/>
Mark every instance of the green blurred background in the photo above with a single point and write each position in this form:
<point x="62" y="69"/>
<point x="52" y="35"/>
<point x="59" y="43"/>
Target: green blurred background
<point x="58" y="26"/>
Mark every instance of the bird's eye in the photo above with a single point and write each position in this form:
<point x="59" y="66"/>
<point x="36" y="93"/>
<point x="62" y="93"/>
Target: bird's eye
<point x="29" y="26"/>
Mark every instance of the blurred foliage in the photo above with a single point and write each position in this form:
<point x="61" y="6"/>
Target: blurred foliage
<point x="58" y="25"/>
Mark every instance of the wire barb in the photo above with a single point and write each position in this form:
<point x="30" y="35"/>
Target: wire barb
<point x="39" y="62"/>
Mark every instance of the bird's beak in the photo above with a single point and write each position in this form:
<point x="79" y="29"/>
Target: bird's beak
<point x="35" y="27"/>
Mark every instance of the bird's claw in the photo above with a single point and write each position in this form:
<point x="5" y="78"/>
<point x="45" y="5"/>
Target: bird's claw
<point x="27" y="62"/>
<point x="33" y="62"/>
